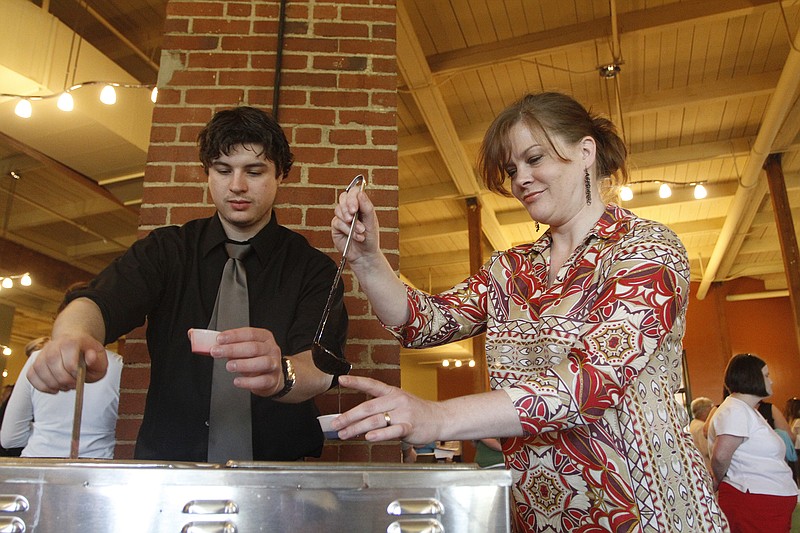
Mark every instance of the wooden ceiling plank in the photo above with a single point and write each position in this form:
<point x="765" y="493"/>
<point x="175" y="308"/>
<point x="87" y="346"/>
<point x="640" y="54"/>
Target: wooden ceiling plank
<point x="691" y="97"/>
<point x="645" y="20"/>
<point x="415" y="71"/>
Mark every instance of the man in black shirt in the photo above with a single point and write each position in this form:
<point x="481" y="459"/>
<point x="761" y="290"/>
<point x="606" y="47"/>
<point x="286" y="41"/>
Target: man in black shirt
<point x="170" y="279"/>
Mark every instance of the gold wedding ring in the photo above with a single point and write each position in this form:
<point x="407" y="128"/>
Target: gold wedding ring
<point x="388" y="419"/>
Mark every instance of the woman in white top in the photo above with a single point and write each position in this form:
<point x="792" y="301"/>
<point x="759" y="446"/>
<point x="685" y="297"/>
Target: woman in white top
<point x="42" y="422"/>
<point x="756" y="489"/>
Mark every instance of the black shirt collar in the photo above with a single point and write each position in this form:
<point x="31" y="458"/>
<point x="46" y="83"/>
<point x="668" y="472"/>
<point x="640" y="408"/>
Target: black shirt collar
<point x="262" y="242"/>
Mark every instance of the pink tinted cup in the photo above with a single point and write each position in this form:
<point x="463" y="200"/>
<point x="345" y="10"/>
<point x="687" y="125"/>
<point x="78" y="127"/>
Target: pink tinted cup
<point x="202" y="340"/>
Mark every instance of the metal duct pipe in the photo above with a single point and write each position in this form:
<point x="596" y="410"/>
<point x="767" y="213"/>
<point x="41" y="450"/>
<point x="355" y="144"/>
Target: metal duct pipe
<point x="751" y="189"/>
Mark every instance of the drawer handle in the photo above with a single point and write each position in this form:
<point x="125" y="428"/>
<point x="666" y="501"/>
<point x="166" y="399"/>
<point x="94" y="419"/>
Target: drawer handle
<point x="211" y="507"/>
<point x="209" y="527"/>
<point x="11" y="525"/>
<point x="416" y="506"/>
<point x="428" y="525"/>
<point x="13" y="503"/>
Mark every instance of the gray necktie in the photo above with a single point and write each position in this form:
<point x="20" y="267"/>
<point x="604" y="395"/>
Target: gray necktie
<point x="230" y="431"/>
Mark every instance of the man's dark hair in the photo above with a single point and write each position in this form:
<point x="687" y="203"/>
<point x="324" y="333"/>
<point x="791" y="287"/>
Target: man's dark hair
<point x="245" y="125"/>
<point x="744" y="375"/>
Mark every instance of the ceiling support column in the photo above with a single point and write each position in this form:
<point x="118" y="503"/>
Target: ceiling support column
<point x="786" y="235"/>
<point x="481" y="381"/>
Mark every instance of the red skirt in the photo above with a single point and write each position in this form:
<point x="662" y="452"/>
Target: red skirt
<point x="748" y="512"/>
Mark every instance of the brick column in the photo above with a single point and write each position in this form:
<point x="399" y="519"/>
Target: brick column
<point x="338" y="109"/>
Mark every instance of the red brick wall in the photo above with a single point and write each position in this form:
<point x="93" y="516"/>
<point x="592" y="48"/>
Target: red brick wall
<point x="338" y="109"/>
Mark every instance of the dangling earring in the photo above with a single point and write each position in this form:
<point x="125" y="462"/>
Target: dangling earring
<point x="587" y="182"/>
<point x="537" y="226"/>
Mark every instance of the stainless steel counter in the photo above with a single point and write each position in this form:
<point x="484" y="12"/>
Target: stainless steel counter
<point x="44" y="495"/>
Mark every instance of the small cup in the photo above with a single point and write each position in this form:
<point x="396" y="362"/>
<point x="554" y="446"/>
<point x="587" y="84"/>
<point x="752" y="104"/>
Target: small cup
<point x="325" y="424"/>
<point x="202" y="340"/>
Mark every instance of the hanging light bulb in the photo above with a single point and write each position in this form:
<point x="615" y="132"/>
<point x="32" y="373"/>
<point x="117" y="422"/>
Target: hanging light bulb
<point x="65" y="102"/>
<point x="472" y="363"/>
<point x="7" y="283"/>
<point x="626" y="193"/>
<point x="700" y="192"/>
<point x="154" y="95"/>
<point x="6" y="351"/>
<point x="23" y="109"/>
<point x="26" y="280"/>
<point x="108" y="95"/>
<point x="664" y="191"/>
<point x="458" y="363"/>
<point x="445" y="362"/>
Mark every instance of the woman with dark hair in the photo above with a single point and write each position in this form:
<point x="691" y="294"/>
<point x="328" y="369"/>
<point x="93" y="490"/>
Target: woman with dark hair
<point x="756" y="487"/>
<point x="583" y="337"/>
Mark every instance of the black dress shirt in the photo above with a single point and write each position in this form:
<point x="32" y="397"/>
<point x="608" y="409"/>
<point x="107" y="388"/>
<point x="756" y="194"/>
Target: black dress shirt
<point x="170" y="278"/>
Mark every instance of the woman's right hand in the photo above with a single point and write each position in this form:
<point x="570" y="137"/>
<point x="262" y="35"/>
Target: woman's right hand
<point x="366" y="240"/>
<point x="377" y="279"/>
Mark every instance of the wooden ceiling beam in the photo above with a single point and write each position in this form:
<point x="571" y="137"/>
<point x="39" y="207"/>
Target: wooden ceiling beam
<point x="694" y="95"/>
<point x="413" y="67"/>
<point x="546" y="42"/>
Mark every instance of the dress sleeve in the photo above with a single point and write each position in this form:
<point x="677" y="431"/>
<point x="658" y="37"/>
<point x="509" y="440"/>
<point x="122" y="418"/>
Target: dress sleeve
<point x="456" y="314"/>
<point x="621" y="321"/>
<point x="17" y="423"/>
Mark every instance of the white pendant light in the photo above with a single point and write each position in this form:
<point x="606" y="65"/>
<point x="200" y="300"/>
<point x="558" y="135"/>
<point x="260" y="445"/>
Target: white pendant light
<point x="154" y="95"/>
<point x="700" y="192"/>
<point x="626" y="193"/>
<point x="65" y="102"/>
<point x="108" y="95"/>
<point x="23" y="109"/>
<point x="26" y="280"/>
<point x="664" y="191"/>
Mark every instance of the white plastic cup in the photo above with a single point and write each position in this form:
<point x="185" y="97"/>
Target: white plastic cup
<point x="325" y="424"/>
<point x="202" y="340"/>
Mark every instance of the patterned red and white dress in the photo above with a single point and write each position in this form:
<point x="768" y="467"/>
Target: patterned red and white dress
<point x="591" y="365"/>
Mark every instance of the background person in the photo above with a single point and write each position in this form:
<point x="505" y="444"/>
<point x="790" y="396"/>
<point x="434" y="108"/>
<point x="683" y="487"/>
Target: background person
<point x="583" y="337"/>
<point x="170" y="280"/>
<point x="41" y="423"/>
<point x="701" y="407"/>
<point x="756" y="488"/>
<point x="792" y="413"/>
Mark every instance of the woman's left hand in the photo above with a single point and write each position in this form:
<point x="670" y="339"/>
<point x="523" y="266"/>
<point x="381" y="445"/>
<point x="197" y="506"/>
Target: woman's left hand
<point x="391" y="414"/>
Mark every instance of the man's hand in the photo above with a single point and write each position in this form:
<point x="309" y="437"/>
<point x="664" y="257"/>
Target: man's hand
<point x="56" y="367"/>
<point x="255" y="356"/>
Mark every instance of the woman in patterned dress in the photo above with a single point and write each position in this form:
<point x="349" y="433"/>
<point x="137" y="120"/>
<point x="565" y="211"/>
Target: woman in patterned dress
<point x="583" y="338"/>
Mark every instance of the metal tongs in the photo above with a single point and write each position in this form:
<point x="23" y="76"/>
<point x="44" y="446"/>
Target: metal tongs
<point x="75" y="443"/>
<point x="324" y="359"/>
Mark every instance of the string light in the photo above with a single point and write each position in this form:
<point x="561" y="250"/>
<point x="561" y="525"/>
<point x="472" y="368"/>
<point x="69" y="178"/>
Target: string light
<point x="7" y="282"/>
<point x="24" y="108"/>
<point x="108" y="95"/>
<point x="66" y="102"/>
<point x="6" y="350"/>
<point x="700" y="192"/>
<point x="664" y="190"/>
<point x="457" y="363"/>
